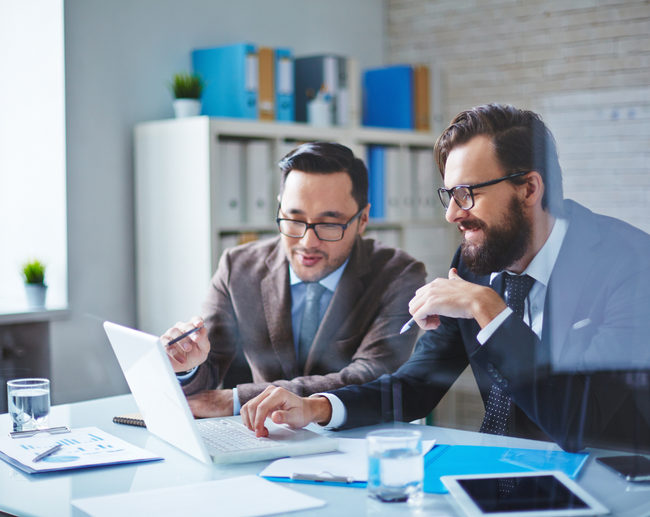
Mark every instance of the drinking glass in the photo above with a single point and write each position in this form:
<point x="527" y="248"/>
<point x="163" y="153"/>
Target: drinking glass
<point x="29" y="403"/>
<point x="395" y="465"/>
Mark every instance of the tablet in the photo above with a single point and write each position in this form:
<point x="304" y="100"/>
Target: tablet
<point x="521" y="494"/>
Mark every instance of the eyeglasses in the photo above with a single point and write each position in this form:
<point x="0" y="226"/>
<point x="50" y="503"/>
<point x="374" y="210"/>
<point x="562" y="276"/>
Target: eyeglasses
<point x="464" y="194"/>
<point x="324" y="231"/>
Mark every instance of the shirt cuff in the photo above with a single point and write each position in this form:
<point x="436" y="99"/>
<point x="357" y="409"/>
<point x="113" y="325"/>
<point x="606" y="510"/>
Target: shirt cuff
<point x="491" y="327"/>
<point x="339" y="413"/>
<point x="236" y="405"/>
<point x="187" y="376"/>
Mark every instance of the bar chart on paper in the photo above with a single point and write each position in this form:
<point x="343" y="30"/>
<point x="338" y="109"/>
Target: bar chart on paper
<point x="80" y="448"/>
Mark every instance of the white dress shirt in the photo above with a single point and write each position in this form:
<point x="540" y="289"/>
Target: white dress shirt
<point x="540" y="269"/>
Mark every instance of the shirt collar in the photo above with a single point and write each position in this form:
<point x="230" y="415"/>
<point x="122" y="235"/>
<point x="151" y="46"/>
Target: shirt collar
<point x="542" y="265"/>
<point x="330" y="281"/>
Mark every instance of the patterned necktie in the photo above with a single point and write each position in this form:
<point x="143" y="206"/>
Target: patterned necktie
<point x="497" y="410"/>
<point x="310" y="321"/>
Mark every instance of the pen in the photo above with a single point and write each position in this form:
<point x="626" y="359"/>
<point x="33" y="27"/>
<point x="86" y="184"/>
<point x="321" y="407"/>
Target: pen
<point x="47" y="453"/>
<point x="407" y="325"/>
<point x="324" y="477"/>
<point x="183" y="336"/>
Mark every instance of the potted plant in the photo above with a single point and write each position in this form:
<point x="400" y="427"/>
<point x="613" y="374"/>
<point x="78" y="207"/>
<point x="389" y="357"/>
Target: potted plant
<point x="33" y="272"/>
<point x="187" y="90"/>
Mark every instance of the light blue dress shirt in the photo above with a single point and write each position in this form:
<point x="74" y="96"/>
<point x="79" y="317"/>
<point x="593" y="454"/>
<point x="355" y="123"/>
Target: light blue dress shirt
<point x="298" y="290"/>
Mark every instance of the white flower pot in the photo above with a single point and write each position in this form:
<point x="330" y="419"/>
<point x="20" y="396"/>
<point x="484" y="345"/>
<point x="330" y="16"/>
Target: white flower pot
<point x="36" y="295"/>
<point x="187" y="108"/>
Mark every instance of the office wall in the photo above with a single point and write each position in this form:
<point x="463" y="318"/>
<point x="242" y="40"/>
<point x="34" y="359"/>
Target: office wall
<point x="119" y="55"/>
<point x="583" y="64"/>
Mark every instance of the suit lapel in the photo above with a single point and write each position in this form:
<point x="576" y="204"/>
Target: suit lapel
<point x="276" y="298"/>
<point x="348" y="291"/>
<point x="574" y="263"/>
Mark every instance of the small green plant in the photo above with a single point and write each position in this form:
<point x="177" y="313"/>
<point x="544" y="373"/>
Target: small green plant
<point x="33" y="272"/>
<point x="186" y="86"/>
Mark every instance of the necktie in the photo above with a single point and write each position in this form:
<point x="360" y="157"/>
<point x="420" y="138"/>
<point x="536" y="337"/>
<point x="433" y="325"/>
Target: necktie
<point x="310" y="321"/>
<point x="497" y="410"/>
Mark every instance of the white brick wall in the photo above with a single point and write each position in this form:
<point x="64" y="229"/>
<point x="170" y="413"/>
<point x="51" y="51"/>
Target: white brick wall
<point x="584" y="65"/>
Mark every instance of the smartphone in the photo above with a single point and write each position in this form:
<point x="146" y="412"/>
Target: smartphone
<point x="632" y="468"/>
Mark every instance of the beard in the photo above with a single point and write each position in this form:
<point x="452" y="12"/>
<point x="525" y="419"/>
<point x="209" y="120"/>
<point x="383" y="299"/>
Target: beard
<point x="502" y="246"/>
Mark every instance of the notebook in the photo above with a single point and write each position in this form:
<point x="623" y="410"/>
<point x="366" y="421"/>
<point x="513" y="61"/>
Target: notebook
<point x="134" y="419"/>
<point x="165" y="410"/>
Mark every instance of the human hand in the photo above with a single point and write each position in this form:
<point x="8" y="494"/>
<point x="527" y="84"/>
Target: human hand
<point x="284" y="407"/>
<point x="190" y="351"/>
<point x="211" y="403"/>
<point x="455" y="298"/>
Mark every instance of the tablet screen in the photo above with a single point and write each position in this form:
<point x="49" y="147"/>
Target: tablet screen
<point x="518" y="494"/>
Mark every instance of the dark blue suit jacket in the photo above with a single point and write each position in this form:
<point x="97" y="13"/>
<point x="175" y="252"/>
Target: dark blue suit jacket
<point x="573" y="386"/>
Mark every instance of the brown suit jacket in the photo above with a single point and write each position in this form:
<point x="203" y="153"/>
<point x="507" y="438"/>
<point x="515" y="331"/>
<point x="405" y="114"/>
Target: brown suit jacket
<point x="249" y="306"/>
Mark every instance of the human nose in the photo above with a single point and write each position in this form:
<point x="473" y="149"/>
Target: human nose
<point x="310" y="239"/>
<point x="455" y="213"/>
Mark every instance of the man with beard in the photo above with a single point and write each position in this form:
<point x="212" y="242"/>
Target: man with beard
<point x="547" y="302"/>
<point x="316" y="308"/>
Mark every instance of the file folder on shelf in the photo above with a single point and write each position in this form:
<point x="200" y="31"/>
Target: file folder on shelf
<point x="394" y="181"/>
<point x="266" y="99"/>
<point x="329" y="72"/>
<point x="388" y="97"/>
<point x="422" y="92"/>
<point x="259" y="177"/>
<point x="425" y="178"/>
<point x="231" y="77"/>
<point x="284" y="84"/>
<point x="230" y="182"/>
<point x="376" y="157"/>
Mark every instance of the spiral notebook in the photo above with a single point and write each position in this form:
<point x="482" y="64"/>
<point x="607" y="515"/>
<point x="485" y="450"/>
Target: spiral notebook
<point x="134" y="419"/>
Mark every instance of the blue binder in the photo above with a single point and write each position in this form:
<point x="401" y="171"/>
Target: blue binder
<point x="388" y="97"/>
<point x="376" y="181"/>
<point x="284" y="85"/>
<point x="231" y="77"/>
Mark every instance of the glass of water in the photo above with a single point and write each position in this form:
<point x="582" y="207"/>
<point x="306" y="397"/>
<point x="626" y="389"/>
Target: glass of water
<point x="29" y="403"/>
<point x="395" y="465"/>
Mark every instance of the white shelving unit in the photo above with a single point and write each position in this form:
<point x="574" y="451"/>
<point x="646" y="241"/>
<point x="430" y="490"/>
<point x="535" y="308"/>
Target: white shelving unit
<point x="178" y="232"/>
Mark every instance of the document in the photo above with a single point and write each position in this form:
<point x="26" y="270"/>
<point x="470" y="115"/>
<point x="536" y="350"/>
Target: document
<point x="230" y="497"/>
<point x="85" y="447"/>
<point x="350" y="461"/>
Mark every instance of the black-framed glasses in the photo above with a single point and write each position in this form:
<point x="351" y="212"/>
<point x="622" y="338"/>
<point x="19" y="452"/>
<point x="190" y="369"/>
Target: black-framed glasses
<point x="324" y="231"/>
<point x="464" y="194"/>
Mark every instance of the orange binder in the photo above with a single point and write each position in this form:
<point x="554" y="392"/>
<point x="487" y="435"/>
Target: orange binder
<point x="266" y="59"/>
<point x="422" y="119"/>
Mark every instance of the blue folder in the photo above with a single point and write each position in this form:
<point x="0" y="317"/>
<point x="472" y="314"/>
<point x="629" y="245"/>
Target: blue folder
<point x="284" y="101"/>
<point x="231" y="77"/>
<point x="449" y="460"/>
<point x="376" y="181"/>
<point x="388" y="98"/>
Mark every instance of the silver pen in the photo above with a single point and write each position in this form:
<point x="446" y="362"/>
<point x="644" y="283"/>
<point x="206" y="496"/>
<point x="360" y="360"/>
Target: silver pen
<point x="407" y="325"/>
<point x="47" y="453"/>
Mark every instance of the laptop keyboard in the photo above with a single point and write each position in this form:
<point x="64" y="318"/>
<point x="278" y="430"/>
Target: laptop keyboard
<point x="228" y="436"/>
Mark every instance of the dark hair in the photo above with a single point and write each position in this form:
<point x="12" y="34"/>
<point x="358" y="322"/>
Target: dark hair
<point x="521" y="142"/>
<point x="327" y="158"/>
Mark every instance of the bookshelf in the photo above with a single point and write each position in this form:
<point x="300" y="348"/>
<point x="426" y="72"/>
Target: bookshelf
<point x="180" y="228"/>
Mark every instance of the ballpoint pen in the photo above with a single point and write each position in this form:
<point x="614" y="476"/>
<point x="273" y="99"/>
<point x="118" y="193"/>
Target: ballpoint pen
<point x="47" y="453"/>
<point x="183" y="336"/>
<point x="407" y="325"/>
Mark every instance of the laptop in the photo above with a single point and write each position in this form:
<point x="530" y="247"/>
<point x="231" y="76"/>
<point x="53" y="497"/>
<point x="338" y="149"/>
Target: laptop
<point x="167" y="414"/>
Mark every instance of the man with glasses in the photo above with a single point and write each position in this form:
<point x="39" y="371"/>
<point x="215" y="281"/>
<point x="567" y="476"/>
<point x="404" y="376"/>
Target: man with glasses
<point x="316" y="308"/>
<point x="547" y="302"/>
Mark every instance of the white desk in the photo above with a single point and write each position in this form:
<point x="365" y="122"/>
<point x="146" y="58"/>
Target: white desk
<point x="49" y="495"/>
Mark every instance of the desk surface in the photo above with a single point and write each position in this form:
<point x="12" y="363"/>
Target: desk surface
<point x="49" y="495"/>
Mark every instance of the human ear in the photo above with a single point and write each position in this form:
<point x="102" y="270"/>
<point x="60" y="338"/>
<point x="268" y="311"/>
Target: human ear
<point x="533" y="189"/>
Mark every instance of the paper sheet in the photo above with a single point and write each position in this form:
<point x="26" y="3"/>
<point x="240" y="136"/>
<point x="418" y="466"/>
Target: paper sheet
<point x="81" y="448"/>
<point x="230" y="497"/>
<point x="349" y="461"/>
